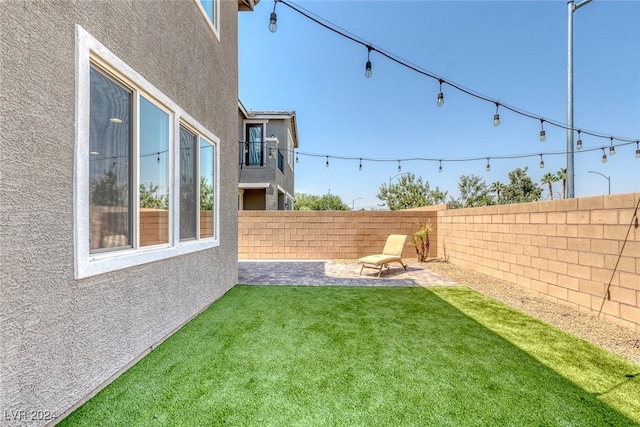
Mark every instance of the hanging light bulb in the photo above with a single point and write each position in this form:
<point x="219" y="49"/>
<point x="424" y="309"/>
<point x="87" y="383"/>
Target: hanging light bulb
<point x="360" y="167"/>
<point x="488" y="165"/>
<point x="579" y="143"/>
<point x="296" y="157"/>
<point x="440" y="167"/>
<point x="612" y="149"/>
<point x="543" y="135"/>
<point x="637" y="149"/>
<point x="399" y="167"/>
<point x="604" y="156"/>
<point x="496" y="116"/>
<point x="440" y="96"/>
<point x="541" y="162"/>
<point x="367" y="67"/>
<point x="327" y="164"/>
<point x="273" y="20"/>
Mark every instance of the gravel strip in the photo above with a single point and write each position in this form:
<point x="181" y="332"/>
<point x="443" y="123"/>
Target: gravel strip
<point x="615" y="338"/>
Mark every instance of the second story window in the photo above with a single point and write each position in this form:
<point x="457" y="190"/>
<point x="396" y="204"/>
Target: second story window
<point x="254" y="150"/>
<point x="211" y="9"/>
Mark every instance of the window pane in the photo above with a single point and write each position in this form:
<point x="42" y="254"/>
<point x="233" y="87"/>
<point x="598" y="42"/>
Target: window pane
<point x="254" y="137"/>
<point x="207" y="154"/>
<point x="110" y="166"/>
<point x="154" y="174"/>
<point x="208" y="7"/>
<point x="188" y="181"/>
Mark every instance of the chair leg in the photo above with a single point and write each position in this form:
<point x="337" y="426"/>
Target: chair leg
<point x="361" y="268"/>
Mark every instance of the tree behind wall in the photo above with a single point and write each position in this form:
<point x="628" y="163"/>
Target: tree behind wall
<point x="410" y="192"/>
<point x="521" y="188"/>
<point x="312" y="202"/>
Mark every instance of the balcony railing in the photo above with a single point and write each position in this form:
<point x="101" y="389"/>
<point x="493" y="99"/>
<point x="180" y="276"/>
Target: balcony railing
<point x="251" y="153"/>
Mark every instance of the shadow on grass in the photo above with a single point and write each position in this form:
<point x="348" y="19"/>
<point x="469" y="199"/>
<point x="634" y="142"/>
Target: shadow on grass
<point x="286" y="355"/>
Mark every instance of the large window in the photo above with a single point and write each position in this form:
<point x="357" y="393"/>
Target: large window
<point x="146" y="173"/>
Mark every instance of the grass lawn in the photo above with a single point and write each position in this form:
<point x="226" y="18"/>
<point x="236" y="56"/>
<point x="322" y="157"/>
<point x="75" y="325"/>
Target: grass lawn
<point x="362" y="356"/>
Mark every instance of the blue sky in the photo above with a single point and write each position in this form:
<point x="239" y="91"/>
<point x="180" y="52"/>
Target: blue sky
<point x="514" y="52"/>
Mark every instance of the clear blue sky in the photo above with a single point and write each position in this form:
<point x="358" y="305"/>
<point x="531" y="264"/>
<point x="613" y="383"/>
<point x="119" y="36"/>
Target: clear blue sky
<point x="514" y="52"/>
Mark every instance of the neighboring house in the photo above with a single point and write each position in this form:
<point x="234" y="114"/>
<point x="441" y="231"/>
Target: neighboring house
<point x="118" y="187"/>
<point x="266" y="154"/>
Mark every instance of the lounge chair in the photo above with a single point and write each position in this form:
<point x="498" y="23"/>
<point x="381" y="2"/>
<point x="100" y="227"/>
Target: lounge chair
<point x="392" y="252"/>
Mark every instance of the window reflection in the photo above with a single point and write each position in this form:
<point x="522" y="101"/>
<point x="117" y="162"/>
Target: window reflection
<point x="207" y="155"/>
<point x="188" y="180"/>
<point x="109" y="166"/>
<point x="154" y="174"/>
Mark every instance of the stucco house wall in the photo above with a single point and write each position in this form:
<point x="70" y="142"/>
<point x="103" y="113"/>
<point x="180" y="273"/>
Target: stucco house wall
<point x="64" y="338"/>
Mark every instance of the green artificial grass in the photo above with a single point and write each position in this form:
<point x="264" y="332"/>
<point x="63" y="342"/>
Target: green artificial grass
<point x="363" y="356"/>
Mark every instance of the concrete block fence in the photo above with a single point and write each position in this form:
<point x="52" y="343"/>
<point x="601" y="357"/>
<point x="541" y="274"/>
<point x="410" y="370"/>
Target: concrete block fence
<point x="300" y="235"/>
<point x="584" y="253"/>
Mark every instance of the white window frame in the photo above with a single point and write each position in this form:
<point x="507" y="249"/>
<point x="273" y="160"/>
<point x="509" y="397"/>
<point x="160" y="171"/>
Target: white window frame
<point x="214" y="26"/>
<point x="289" y="149"/>
<point x="90" y="51"/>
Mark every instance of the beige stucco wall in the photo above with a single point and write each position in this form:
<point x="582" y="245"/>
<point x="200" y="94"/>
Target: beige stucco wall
<point x="63" y="338"/>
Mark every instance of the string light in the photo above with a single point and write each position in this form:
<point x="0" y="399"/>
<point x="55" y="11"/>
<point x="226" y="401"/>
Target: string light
<point x="612" y="149"/>
<point x="297" y="157"/>
<point x="543" y="135"/>
<point x="328" y="25"/>
<point x="367" y="67"/>
<point x="360" y="167"/>
<point x="496" y="116"/>
<point x="327" y="164"/>
<point x="399" y="167"/>
<point x="637" y="149"/>
<point x="440" y="167"/>
<point x="158" y="157"/>
<point x="604" y="156"/>
<point x="541" y="162"/>
<point x="273" y="20"/>
<point x="488" y="165"/>
<point x="579" y="142"/>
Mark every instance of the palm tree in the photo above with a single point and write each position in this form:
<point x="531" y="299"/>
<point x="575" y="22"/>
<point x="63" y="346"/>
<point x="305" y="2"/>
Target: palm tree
<point x="562" y="175"/>
<point x="549" y="178"/>
<point x="497" y="188"/>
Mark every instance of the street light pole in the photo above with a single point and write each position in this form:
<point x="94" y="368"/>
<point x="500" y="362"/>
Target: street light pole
<point x="572" y="7"/>
<point x="608" y="179"/>
<point x="353" y="202"/>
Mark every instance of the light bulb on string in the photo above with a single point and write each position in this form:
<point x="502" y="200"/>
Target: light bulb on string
<point x="273" y="20"/>
<point x="367" y="68"/>
<point x="541" y="162"/>
<point x="637" y="149"/>
<point x="488" y="165"/>
<point x="496" y="116"/>
<point x="440" y="95"/>
<point x="360" y="167"/>
<point x="297" y="157"/>
<point x="579" y="143"/>
<point x="327" y="164"/>
<point x="399" y="167"/>
<point x="604" y="156"/>
<point x="543" y="135"/>
<point x="440" y="167"/>
<point x="612" y="149"/>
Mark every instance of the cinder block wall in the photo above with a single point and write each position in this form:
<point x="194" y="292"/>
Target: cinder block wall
<point x="569" y="250"/>
<point x="299" y="235"/>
